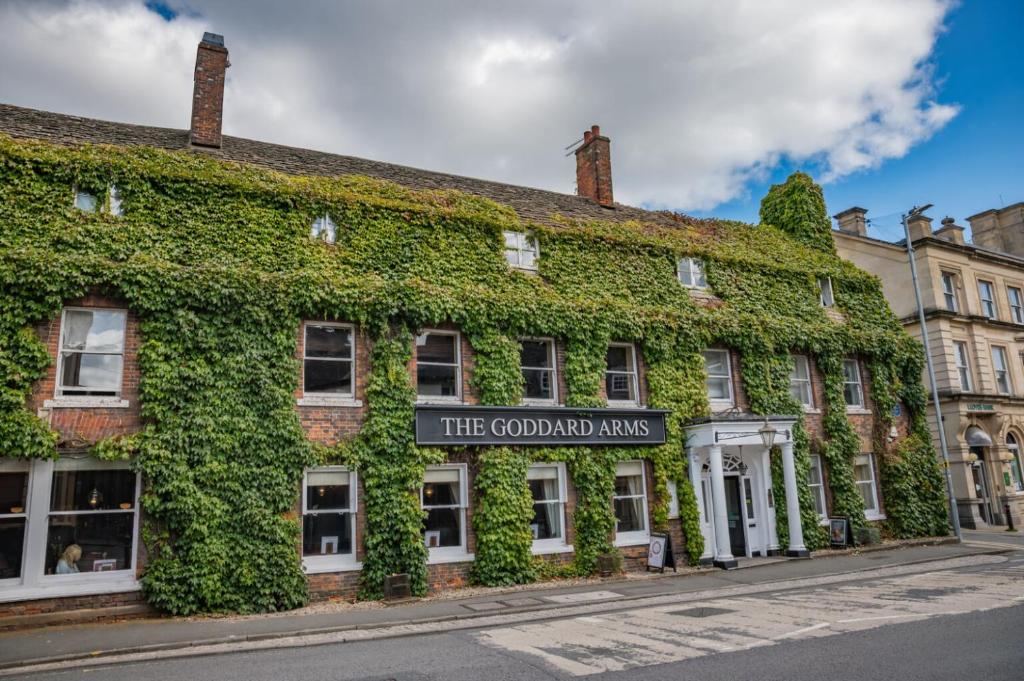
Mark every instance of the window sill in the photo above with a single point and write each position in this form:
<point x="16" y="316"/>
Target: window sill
<point x="327" y="401"/>
<point x="539" y="549"/>
<point x="624" y="404"/>
<point x="442" y="558"/>
<point x="86" y="403"/>
<point x="58" y="588"/>
<point x="633" y="539"/>
<point x="524" y="270"/>
<point x="811" y="410"/>
<point x="439" y="400"/>
<point x="858" y="411"/>
<point x="313" y="565"/>
<point x="874" y="516"/>
<point x="538" y="403"/>
<point x="721" y="405"/>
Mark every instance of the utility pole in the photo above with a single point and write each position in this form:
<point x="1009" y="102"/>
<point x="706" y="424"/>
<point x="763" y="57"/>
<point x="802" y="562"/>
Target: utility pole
<point x="953" y="513"/>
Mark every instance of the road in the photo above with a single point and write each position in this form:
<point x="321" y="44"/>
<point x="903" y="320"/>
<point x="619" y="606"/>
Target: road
<point x="955" y="619"/>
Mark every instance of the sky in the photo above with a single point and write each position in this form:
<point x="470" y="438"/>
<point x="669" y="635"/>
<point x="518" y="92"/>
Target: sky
<point x="888" y="103"/>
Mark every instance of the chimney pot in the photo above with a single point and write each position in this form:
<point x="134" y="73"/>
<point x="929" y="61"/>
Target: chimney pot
<point x="594" y="168"/>
<point x="208" y="91"/>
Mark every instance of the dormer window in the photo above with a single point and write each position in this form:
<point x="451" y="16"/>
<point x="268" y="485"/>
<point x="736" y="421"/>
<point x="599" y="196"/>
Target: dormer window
<point x="521" y="251"/>
<point x="324" y="229"/>
<point x="825" y="292"/>
<point x="690" y="272"/>
<point x="87" y="202"/>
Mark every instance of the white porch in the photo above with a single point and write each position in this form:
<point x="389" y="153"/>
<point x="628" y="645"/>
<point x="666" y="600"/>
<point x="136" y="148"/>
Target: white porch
<point x="730" y="470"/>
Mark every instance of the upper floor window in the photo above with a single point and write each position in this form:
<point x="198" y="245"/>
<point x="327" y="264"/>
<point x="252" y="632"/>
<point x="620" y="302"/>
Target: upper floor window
<point x="438" y="366"/>
<point x="328" y="359"/>
<point x="521" y="250"/>
<point x="988" y="301"/>
<point x="690" y="272"/>
<point x="630" y="502"/>
<point x="1001" y="369"/>
<point x="949" y="290"/>
<point x="89" y="202"/>
<point x="1016" y="300"/>
<point x="324" y="229"/>
<point x="800" y="382"/>
<point x="537" y="359"/>
<point x="719" y="376"/>
<point x="620" y="378"/>
<point x="853" y="391"/>
<point x="963" y="367"/>
<point x="825" y="291"/>
<point x="547" y="486"/>
<point x="444" y="498"/>
<point x="864" y="476"/>
<point x="816" y="483"/>
<point x="328" y="518"/>
<point x="91" y="352"/>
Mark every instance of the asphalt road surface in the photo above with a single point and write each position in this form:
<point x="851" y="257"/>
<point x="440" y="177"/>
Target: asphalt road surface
<point x="963" y="622"/>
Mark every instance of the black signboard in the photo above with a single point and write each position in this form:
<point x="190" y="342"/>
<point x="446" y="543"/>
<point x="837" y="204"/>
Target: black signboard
<point x="478" y="425"/>
<point x="659" y="553"/>
<point x="840" y="532"/>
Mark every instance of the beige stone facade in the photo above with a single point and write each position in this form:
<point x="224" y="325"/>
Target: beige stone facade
<point x="974" y="311"/>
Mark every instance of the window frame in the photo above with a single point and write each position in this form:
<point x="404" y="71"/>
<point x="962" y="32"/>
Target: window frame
<point x="809" y="404"/>
<point x="446" y="399"/>
<point x="949" y="292"/>
<point x="523" y="240"/>
<point x="960" y="354"/>
<point x="731" y="401"/>
<point x="336" y="562"/>
<point x="868" y="459"/>
<point x="988" y="305"/>
<point x="861" y="405"/>
<point x="1015" y="454"/>
<point x="553" y="349"/>
<point x="555" y="544"/>
<point x="634" y="374"/>
<point x="673" y="499"/>
<point x="695" y="270"/>
<point x="340" y="397"/>
<point x="451" y="554"/>
<point x="328" y="232"/>
<point x="826" y="294"/>
<point x="999" y="351"/>
<point x="58" y="384"/>
<point x="818" y="488"/>
<point x="634" y="537"/>
<point x="1016" y="308"/>
<point x="33" y="582"/>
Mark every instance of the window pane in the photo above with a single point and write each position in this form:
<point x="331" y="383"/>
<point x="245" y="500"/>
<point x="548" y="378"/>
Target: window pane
<point x="685" y="275"/>
<point x="716" y="363"/>
<point x="512" y="240"/>
<point x="619" y="358"/>
<point x="851" y="394"/>
<point x="867" y="495"/>
<point x="441" y="494"/>
<point x="535" y="353"/>
<point x="115" y="201"/>
<point x="327" y="491"/>
<point x="718" y="388"/>
<point x="801" y="370"/>
<point x="628" y="485"/>
<point x="443" y="527"/>
<point x="528" y="258"/>
<point x="699" y="280"/>
<point x="12" y="544"/>
<point x="512" y="257"/>
<point x="537" y="384"/>
<point x="630" y="515"/>
<point x="620" y="387"/>
<point x="328" y="341"/>
<point x="326" y="376"/>
<point x="544" y="489"/>
<point x="85" y="201"/>
<point x="326" y="534"/>
<point x="436" y="347"/>
<point x="436" y="381"/>
<point x="92" y="490"/>
<point x="547" y="521"/>
<point x="13" y="492"/>
<point x="104" y="540"/>
<point x="83" y="373"/>
<point x="93" y="330"/>
<point x="851" y="374"/>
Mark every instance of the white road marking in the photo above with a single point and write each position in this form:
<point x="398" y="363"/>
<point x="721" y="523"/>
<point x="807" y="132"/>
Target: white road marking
<point x="820" y="625"/>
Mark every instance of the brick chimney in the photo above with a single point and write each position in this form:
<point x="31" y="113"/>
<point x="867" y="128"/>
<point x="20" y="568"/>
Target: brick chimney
<point x="208" y="94"/>
<point x="594" y="167"/>
<point x="853" y="220"/>
<point x="950" y="231"/>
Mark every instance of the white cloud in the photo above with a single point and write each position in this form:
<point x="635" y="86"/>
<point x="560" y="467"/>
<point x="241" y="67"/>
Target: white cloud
<point x="698" y="97"/>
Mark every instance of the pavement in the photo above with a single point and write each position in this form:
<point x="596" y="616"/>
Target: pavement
<point x="170" y="637"/>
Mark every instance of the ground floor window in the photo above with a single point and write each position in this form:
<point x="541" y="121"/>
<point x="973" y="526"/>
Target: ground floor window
<point x="864" y="475"/>
<point x="329" y="505"/>
<point x="630" y="502"/>
<point x="816" y="483"/>
<point x="673" y="499"/>
<point x="66" y="524"/>
<point x="444" y="498"/>
<point x="1016" y="470"/>
<point x="547" y="486"/>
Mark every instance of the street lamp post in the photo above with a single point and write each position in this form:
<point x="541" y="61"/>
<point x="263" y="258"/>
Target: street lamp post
<point x="953" y="513"/>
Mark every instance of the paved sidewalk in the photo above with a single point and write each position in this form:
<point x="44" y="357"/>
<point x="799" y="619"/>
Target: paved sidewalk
<point x="89" y="640"/>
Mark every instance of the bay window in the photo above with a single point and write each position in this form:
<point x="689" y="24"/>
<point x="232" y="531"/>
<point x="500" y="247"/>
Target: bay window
<point x="91" y="356"/>
<point x="329" y="504"/>
<point x="444" y="497"/>
<point x="438" y="366"/>
<point x="630" y="501"/>
<point x="547" y="486"/>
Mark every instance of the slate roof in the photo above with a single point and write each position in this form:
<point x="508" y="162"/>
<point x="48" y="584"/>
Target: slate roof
<point x="538" y="205"/>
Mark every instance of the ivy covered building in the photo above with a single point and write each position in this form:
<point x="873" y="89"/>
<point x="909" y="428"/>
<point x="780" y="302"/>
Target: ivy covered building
<point x="238" y="375"/>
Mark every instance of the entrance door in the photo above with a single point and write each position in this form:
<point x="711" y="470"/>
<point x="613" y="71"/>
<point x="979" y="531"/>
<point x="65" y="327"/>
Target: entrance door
<point x="737" y="537"/>
<point x="981" y="488"/>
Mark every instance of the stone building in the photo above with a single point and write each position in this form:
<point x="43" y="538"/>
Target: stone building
<point x="112" y="382"/>
<point x="973" y="296"/>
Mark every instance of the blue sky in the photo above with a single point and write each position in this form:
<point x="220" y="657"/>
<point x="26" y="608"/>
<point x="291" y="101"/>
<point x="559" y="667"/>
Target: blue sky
<point x="974" y="163"/>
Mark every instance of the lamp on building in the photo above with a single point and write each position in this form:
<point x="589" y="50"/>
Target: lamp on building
<point x="767" y="433"/>
<point x="95" y="498"/>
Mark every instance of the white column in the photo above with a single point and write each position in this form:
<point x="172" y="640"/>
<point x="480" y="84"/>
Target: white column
<point x="698" y="492"/>
<point x="772" y="535"/>
<point x="723" y="552"/>
<point x="796" y="530"/>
